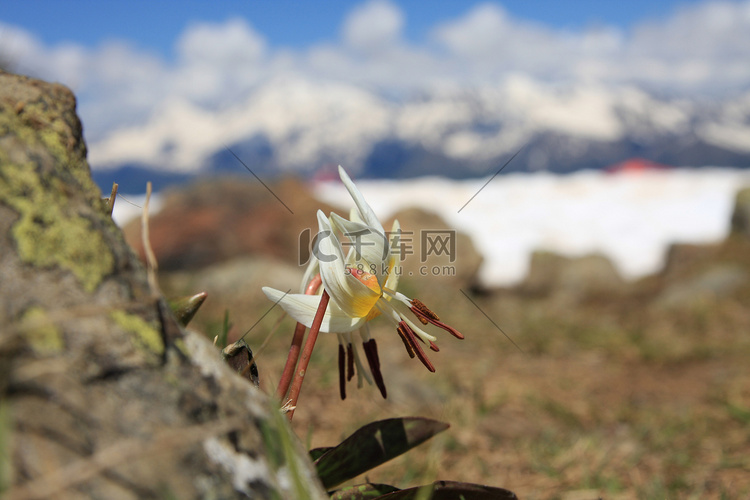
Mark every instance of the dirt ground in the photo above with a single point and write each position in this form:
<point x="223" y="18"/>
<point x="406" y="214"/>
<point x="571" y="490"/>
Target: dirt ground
<point x="631" y="393"/>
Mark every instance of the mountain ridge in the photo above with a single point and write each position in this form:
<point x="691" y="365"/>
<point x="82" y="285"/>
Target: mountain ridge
<point x="297" y="126"/>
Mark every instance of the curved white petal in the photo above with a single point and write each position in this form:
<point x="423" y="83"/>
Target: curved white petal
<point x="369" y="245"/>
<point x="346" y="291"/>
<point x="391" y="283"/>
<point x="367" y="214"/>
<point x="395" y="236"/>
<point x="391" y="280"/>
<point x="303" y="308"/>
<point x="354" y="215"/>
<point x="310" y="272"/>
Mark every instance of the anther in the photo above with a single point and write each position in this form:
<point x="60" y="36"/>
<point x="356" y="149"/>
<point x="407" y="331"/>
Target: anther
<point x="405" y="338"/>
<point x="371" y="351"/>
<point x="417" y="348"/>
<point x="350" y="362"/>
<point x="424" y="310"/>
<point x="342" y="374"/>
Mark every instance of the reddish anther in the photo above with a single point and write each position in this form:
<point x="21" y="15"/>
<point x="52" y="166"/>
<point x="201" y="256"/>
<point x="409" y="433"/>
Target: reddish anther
<point x="431" y="319"/>
<point x="405" y="338"/>
<point x="350" y="363"/>
<point x="342" y="374"/>
<point x="424" y="310"/>
<point x="371" y="351"/>
<point x="417" y="348"/>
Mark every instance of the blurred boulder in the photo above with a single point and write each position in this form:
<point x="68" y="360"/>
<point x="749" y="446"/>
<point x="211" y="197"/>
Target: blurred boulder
<point x="576" y="277"/>
<point x="434" y="251"/>
<point x="717" y="282"/>
<point x="236" y="283"/>
<point x="212" y="221"/>
<point x="686" y="260"/>
<point x="741" y="213"/>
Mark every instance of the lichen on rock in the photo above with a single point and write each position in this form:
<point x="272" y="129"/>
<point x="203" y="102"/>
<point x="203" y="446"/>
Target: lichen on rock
<point x="45" y="179"/>
<point x="144" y="335"/>
<point x="48" y="232"/>
<point x="42" y="334"/>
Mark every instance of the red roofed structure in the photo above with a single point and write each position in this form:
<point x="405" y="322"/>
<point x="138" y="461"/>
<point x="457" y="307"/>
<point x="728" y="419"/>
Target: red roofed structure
<point x="635" y="165"/>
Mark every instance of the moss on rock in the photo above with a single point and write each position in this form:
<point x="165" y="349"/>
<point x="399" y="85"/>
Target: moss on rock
<point x="144" y="335"/>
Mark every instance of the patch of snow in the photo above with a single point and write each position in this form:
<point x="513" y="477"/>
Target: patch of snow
<point x="632" y="218"/>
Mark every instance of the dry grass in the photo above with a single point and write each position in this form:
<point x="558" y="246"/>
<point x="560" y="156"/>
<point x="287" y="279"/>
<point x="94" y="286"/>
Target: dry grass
<point x="617" y="395"/>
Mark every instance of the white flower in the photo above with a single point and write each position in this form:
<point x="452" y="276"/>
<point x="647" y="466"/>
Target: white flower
<point x="361" y="285"/>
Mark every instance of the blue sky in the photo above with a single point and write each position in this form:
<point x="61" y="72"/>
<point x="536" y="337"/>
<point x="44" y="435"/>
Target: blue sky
<point x="155" y="26"/>
<point x="136" y="65"/>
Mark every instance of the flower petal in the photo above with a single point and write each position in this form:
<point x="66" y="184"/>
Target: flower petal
<point x="367" y="214"/>
<point x="346" y="291"/>
<point x="303" y="308"/>
<point x="369" y="244"/>
<point x="391" y="283"/>
<point x="354" y="215"/>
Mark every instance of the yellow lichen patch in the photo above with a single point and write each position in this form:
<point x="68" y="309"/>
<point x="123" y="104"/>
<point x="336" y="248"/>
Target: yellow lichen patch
<point x="179" y="344"/>
<point x="43" y="336"/>
<point x="144" y="334"/>
<point x="49" y="232"/>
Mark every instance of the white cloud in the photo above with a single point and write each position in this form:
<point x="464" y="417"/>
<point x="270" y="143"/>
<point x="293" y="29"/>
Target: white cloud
<point x="24" y="53"/>
<point x="487" y="42"/>
<point x="373" y="26"/>
<point x="218" y="62"/>
<point x="221" y="44"/>
<point x="702" y="47"/>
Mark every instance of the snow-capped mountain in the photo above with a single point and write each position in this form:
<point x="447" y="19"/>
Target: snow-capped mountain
<point x="297" y="126"/>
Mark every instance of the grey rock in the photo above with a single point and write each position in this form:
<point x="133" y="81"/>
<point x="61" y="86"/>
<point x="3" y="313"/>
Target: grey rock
<point x="109" y="397"/>
<point x="741" y="213"/>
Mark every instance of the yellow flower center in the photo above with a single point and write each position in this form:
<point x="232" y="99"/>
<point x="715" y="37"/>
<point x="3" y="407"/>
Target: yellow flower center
<point x="371" y="282"/>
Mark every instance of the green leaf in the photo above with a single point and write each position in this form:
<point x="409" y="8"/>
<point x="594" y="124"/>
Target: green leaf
<point x="184" y="308"/>
<point x="362" y="492"/>
<point x="372" y="445"/>
<point x="224" y="335"/>
<point x="451" y="490"/>
<point x="316" y="453"/>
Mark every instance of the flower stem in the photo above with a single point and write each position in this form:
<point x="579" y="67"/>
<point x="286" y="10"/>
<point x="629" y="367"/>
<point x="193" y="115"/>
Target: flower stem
<point x="307" y="354"/>
<point x="291" y="361"/>
<point x="296" y="347"/>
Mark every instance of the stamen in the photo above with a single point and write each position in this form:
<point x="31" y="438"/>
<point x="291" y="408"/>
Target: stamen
<point x="423" y="335"/>
<point x="418" y="305"/>
<point x="390" y="312"/>
<point x="417" y="348"/>
<point x="342" y="374"/>
<point x="405" y="339"/>
<point x="434" y="347"/>
<point x="371" y="351"/>
<point x="430" y="317"/>
<point x="350" y="363"/>
<point x="361" y="372"/>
